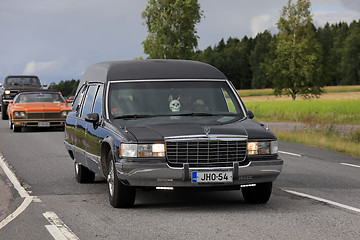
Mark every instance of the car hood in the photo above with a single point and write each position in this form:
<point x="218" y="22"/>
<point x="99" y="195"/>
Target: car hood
<point x="41" y="107"/>
<point x="157" y="132"/>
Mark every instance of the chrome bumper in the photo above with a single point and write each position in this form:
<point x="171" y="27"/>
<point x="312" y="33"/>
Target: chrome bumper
<point x="160" y="174"/>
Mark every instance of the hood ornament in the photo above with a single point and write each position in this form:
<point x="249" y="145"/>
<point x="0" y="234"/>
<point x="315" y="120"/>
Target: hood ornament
<point x="207" y="131"/>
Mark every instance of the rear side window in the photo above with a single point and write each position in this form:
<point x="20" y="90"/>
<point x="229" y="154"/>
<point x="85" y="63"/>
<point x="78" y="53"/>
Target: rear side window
<point x="98" y="100"/>
<point x="89" y="100"/>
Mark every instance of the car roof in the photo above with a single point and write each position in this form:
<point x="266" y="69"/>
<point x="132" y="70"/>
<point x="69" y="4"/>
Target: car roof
<point x="150" y="69"/>
<point x="38" y="91"/>
<point x="21" y="76"/>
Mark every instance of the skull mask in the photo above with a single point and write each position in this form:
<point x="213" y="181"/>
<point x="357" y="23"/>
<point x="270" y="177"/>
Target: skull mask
<point x="175" y="105"/>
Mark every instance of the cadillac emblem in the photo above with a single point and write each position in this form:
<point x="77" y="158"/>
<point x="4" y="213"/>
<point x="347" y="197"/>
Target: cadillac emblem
<point x="207" y="131"/>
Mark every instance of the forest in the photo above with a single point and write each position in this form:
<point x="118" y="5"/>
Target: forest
<point x="244" y="61"/>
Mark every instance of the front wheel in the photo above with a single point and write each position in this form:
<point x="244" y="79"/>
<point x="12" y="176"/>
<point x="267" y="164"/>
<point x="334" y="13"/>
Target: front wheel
<point x="257" y="194"/>
<point x="10" y="124"/>
<point x="16" y="129"/>
<point x="120" y="195"/>
<point x="4" y="115"/>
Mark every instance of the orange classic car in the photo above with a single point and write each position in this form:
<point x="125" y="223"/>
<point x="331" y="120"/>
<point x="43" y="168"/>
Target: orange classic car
<point x="37" y="109"/>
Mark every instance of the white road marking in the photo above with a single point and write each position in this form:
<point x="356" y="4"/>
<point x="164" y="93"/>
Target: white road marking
<point x="58" y="228"/>
<point x="351" y="165"/>
<point x="17" y="212"/>
<point x="324" y="201"/>
<point x="292" y="154"/>
<point x="21" y="190"/>
<point x="11" y="175"/>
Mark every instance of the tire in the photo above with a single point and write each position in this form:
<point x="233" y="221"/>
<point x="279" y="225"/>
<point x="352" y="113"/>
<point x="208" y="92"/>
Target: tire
<point x="4" y="115"/>
<point x="120" y="195"/>
<point x="16" y="129"/>
<point x="258" y="194"/>
<point x="83" y="174"/>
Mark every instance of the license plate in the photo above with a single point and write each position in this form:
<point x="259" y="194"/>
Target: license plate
<point x="43" y="124"/>
<point x="212" y="177"/>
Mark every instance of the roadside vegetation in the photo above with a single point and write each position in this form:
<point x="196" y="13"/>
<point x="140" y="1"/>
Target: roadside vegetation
<point x="320" y="116"/>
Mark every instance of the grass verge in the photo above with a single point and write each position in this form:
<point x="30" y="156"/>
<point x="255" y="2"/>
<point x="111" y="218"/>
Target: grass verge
<point x="347" y="143"/>
<point x="310" y="111"/>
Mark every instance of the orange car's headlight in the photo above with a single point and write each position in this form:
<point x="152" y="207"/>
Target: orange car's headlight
<point x="19" y="114"/>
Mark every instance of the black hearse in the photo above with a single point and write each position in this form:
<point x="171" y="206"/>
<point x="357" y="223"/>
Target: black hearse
<point x="167" y="124"/>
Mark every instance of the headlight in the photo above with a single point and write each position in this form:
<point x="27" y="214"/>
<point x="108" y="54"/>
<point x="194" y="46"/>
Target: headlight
<point x="19" y="114"/>
<point x="256" y="148"/>
<point x="142" y="150"/>
<point x="64" y="113"/>
<point x="7" y="92"/>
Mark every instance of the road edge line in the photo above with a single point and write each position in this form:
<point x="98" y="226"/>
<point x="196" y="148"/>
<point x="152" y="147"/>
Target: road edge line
<point x="12" y="177"/>
<point x="17" y="212"/>
<point x="20" y="189"/>
<point x="323" y="200"/>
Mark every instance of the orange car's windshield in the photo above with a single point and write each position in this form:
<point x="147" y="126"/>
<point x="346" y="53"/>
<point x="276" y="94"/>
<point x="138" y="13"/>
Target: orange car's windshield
<point x="39" y="98"/>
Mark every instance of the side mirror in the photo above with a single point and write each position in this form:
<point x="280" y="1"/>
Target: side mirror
<point x="68" y="100"/>
<point x="92" y="117"/>
<point x="11" y="101"/>
<point x="250" y="114"/>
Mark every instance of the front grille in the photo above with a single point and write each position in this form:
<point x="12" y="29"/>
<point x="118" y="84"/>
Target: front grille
<point x="44" y="115"/>
<point x="205" y="153"/>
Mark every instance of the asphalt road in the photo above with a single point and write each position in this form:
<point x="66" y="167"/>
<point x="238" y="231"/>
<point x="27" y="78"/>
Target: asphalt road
<point x="60" y="206"/>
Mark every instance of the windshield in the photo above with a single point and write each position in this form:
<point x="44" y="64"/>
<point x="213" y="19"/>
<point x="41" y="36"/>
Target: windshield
<point x="172" y="98"/>
<point x="22" y="81"/>
<point x="39" y="98"/>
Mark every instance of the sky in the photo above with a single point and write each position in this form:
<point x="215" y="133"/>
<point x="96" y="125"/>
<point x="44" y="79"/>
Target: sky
<point x="57" y="40"/>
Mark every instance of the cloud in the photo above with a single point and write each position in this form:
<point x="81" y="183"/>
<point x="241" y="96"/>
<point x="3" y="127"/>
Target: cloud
<point x="351" y="4"/>
<point x="321" y="18"/>
<point x="260" y="23"/>
<point x="39" y="67"/>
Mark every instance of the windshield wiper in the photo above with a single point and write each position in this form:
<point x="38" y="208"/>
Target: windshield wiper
<point x="205" y="114"/>
<point x="133" y="116"/>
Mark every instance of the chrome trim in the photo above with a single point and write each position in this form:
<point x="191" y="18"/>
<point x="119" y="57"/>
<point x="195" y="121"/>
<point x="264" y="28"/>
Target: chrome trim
<point x="210" y="137"/>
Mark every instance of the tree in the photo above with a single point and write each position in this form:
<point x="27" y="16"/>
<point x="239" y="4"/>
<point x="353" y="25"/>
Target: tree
<point x="67" y="87"/>
<point x="296" y="68"/>
<point x="257" y="58"/>
<point x="171" y="28"/>
<point x="350" y="62"/>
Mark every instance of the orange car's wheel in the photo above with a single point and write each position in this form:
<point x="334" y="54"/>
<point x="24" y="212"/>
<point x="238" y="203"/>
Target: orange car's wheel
<point x="16" y="129"/>
<point x="10" y="124"/>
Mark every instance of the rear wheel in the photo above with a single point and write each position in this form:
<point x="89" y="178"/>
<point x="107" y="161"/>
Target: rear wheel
<point x="120" y="195"/>
<point x="257" y="194"/>
<point x="83" y="174"/>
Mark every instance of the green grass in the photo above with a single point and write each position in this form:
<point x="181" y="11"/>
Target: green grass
<point x="309" y="111"/>
<point x="347" y="143"/>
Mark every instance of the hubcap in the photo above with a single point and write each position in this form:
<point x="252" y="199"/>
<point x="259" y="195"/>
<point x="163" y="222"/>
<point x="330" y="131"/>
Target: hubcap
<point x="77" y="168"/>
<point x="110" y="179"/>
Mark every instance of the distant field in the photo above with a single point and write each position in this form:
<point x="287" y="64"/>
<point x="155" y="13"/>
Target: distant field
<point x="338" y="105"/>
<point x="270" y="92"/>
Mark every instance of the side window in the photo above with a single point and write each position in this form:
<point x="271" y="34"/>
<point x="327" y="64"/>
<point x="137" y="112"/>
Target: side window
<point x="78" y="98"/>
<point x="89" y="100"/>
<point x="98" y="100"/>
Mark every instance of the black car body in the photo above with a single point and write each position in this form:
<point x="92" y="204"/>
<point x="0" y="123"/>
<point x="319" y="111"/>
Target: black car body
<point x="167" y="124"/>
<point x="12" y="85"/>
